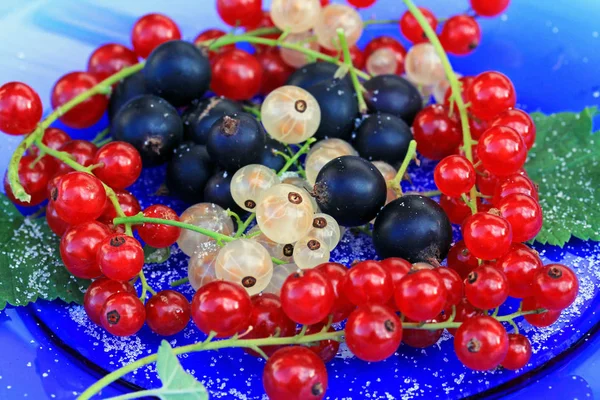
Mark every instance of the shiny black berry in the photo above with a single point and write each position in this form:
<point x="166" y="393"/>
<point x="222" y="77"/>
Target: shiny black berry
<point x="339" y="108"/>
<point x="200" y="117"/>
<point x="383" y="137"/>
<point x="314" y="73"/>
<point x="270" y="158"/>
<point x="127" y="89"/>
<point x="218" y="191"/>
<point x="188" y="171"/>
<point x="395" y="95"/>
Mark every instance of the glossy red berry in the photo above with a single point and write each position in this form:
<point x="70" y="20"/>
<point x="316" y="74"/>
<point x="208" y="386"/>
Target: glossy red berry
<point x="464" y="311"/>
<point x="335" y="273"/>
<point x="129" y="204"/>
<point x="461" y="259"/>
<point x="240" y="12"/>
<point x="368" y="282"/>
<point x="486" y="287"/>
<point x="159" y="235"/>
<point x="275" y="71"/>
<point x="267" y="319"/>
<point x="539" y="320"/>
<point x="109" y="59"/>
<point x="519" y="352"/>
<point x="236" y="75"/>
<point x="454" y="176"/>
<point x="81" y="151"/>
<point x="465" y="83"/>
<point x="477" y="127"/>
<point x="455" y="208"/>
<point x="86" y="113"/>
<point x="205" y="38"/>
<point x="454" y="286"/>
<point x="489" y="8"/>
<point x="34" y="177"/>
<point x="502" y="151"/>
<point x="307" y="297"/>
<point x="222" y="307"/>
<point x="460" y="35"/>
<point x="265" y="22"/>
<point x="411" y="29"/>
<point x="481" y="343"/>
<point x="516" y="183"/>
<point x="421" y="295"/>
<point x="520" y="265"/>
<point x="119" y="164"/>
<point x="97" y="294"/>
<point x="57" y="225"/>
<point x="421" y="338"/>
<point x="79" y="197"/>
<point x="437" y="134"/>
<point x="555" y="287"/>
<point x="524" y="215"/>
<point x="120" y="257"/>
<point x="487" y="236"/>
<point x="520" y="121"/>
<point x="150" y="31"/>
<point x="387" y="42"/>
<point x="373" y="332"/>
<point x="123" y="314"/>
<point x="53" y="138"/>
<point x="295" y="373"/>
<point x="490" y="94"/>
<point x="167" y="312"/>
<point x="325" y="349"/>
<point x="79" y="246"/>
<point x="361" y="3"/>
<point x="20" y="108"/>
<point x="397" y="268"/>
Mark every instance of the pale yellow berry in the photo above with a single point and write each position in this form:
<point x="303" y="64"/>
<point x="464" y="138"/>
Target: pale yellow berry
<point x="334" y="17"/>
<point x="209" y="216"/>
<point x="246" y="263"/>
<point x="295" y="58"/>
<point x="423" y="65"/>
<point x="310" y="252"/>
<point x="295" y="15"/>
<point x="249" y="183"/>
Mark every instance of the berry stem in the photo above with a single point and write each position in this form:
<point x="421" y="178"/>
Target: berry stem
<point x="302" y="150"/>
<point x="410" y="154"/>
<point x="362" y="106"/>
<point x="254" y="110"/>
<point x="380" y="22"/>
<point x="430" y="193"/>
<point x="103" y="134"/>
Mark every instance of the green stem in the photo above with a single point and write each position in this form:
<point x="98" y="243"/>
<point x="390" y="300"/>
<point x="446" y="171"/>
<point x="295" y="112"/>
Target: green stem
<point x="410" y="155"/>
<point x="137" y="395"/>
<point x="103" y="134"/>
<point x="253" y="110"/>
<point x="362" y="106"/>
<point x="179" y="282"/>
<point x="431" y="193"/>
<point x="247" y="222"/>
<point x="380" y="22"/>
<point x="302" y="150"/>
<point x="103" y="142"/>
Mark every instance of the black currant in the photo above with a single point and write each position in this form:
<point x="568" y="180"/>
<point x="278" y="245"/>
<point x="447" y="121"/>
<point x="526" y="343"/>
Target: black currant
<point x="218" y="191"/>
<point x="314" y="73"/>
<point x="412" y="227"/>
<point x="395" y="95"/>
<point x="188" y="171"/>
<point x="199" y="118"/>
<point x="351" y="190"/>
<point x="127" y="89"/>
<point x="339" y="108"/>
<point x="383" y="137"/>
<point x="236" y="141"/>
<point x="177" y="71"/>
<point x="151" y="125"/>
<point x="270" y="158"/>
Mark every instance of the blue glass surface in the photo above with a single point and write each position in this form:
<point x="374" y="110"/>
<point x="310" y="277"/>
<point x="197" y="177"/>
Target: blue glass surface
<point x="51" y="350"/>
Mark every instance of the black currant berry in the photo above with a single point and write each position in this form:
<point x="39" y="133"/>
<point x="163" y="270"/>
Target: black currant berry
<point x="270" y="158"/>
<point x="199" y="118"/>
<point x="127" y="89"/>
<point x="412" y="227"/>
<point x="151" y="125"/>
<point x="236" y="141"/>
<point x="383" y="137"/>
<point x="395" y="95"/>
<point x="177" y="71"/>
<point x="339" y="108"/>
<point x="188" y="171"/>
<point x="218" y="191"/>
<point x="351" y="190"/>
<point x="314" y="73"/>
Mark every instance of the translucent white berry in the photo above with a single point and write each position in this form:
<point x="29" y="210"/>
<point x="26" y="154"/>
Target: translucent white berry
<point x="317" y="160"/>
<point x="423" y="65"/>
<point x="249" y="183"/>
<point x="209" y="216"/>
<point x="336" y="16"/>
<point x="295" y="15"/>
<point x="245" y="262"/>
<point x="301" y="183"/>
<point x="280" y="274"/>
<point x="386" y="170"/>
<point x="310" y="252"/>
<point x="280" y="251"/>
<point x="295" y="58"/>
<point x="326" y="230"/>
<point x="201" y="266"/>
<point x="335" y="144"/>
<point x="382" y="62"/>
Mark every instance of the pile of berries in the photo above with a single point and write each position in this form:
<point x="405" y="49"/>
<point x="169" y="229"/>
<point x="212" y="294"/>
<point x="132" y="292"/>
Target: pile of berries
<point x="225" y="162"/>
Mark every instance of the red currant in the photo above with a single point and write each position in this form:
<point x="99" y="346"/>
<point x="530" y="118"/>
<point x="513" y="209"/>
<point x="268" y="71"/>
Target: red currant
<point x="464" y="311"/>
<point x="240" y="12"/>
<point x="120" y="257"/>
<point x="79" y="197"/>
<point x="335" y="273"/>
<point x="109" y="59"/>
<point x="524" y="215"/>
<point x="123" y="314"/>
<point x="481" y="343"/>
<point x="421" y="338"/>
<point x="489" y="8"/>
<point x="539" y="320"/>
<point x="437" y="134"/>
<point x="97" y="293"/>
<point x="57" y="225"/>
<point x="276" y="71"/>
<point x="502" y="151"/>
<point x="373" y="332"/>
<point x="461" y="259"/>
<point x="295" y="373"/>
<point x="34" y="177"/>
<point x="119" y="164"/>
<point x="519" y="352"/>
<point x="236" y="75"/>
<point x="325" y="349"/>
<point x="167" y="312"/>
<point x="150" y="31"/>
<point x="20" y="108"/>
<point x="454" y="286"/>
<point x="210" y="36"/>
<point x="520" y="121"/>
<point x="411" y="29"/>
<point x="486" y="182"/>
<point x="487" y="236"/>
<point x="516" y="183"/>
<point x="81" y="151"/>
<point x="465" y="84"/>
<point x="368" y="282"/>
<point x="307" y="297"/>
<point x="53" y="138"/>
<point x="397" y="268"/>
<point x="460" y="35"/>
<point x="159" y="235"/>
<point x="387" y="42"/>
<point x="520" y="265"/>
<point x="454" y="176"/>
<point x="455" y="208"/>
<point x="486" y="287"/>
<point x="421" y="295"/>
<point x="361" y="3"/>
<point x="221" y="307"/>
<point x="79" y="246"/>
<point x="490" y="94"/>
<point x="477" y="127"/>
<point x="86" y="113"/>
<point x="555" y="287"/>
<point x="129" y="204"/>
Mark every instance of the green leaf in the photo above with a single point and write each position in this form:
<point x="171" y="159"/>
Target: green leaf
<point x="156" y="256"/>
<point x="30" y="264"/>
<point x="565" y="163"/>
<point x="177" y="384"/>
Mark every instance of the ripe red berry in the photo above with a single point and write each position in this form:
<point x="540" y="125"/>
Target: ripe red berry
<point x="209" y="36"/>
<point x="477" y="127"/>
<point x="109" y="59"/>
<point x="421" y="338"/>
<point x="167" y="312"/>
<point x="265" y="22"/>
<point x="516" y="183"/>
<point x="123" y="314"/>
<point x="411" y="29"/>
<point x="120" y="257"/>
<point x="53" y="138"/>
<point x="397" y="268"/>
<point x="524" y="215"/>
<point x="455" y="208"/>
<point x="275" y="71"/>
<point x="81" y="151"/>
<point x="454" y="286"/>
<point x="502" y="151"/>
<point x="86" y="113"/>
<point x="460" y="35"/>
<point x="20" y="108"/>
<point x="368" y="282"/>
<point x="555" y="287"/>
<point x="79" y="246"/>
<point x="421" y="295"/>
<point x="335" y="273"/>
<point x="295" y="373"/>
<point x="120" y="164"/>
<point x="307" y="297"/>
<point x="520" y="265"/>
<point x="150" y="31"/>
<point x="373" y="332"/>
<point x="34" y="178"/>
<point x="465" y="84"/>
<point x="481" y="343"/>
<point x="486" y="287"/>
<point x="325" y="349"/>
<point x="539" y="320"/>
<point x="129" y="204"/>
<point x="236" y="75"/>
<point x="222" y="307"/>
<point x="267" y="319"/>
<point x="78" y="197"/>
<point x="486" y="182"/>
<point x="361" y="3"/>
<point x="387" y="42"/>
<point x="159" y="235"/>
<point x="57" y="225"/>
<point x="461" y="259"/>
<point x="487" y="236"/>
<point x="519" y="352"/>
<point x="97" y="294"/>
<point x="490" y="94"/>
<point x="454" y="176"/>
<point x="464" y="311"/>
<point x="240" y="12"/>
<point x="489" y="8"/>
<point x="437" y="134"/>
<point x="520" y="121"/>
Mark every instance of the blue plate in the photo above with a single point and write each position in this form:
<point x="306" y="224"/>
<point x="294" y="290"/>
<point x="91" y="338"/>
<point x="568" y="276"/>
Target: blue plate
<point x="51" y="350"/>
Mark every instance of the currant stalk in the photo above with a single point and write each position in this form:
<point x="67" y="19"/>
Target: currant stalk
<point x="358" y="88"/>
<point x="410" y="155"/>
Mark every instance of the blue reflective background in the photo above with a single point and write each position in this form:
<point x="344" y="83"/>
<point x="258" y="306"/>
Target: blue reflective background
<point x="50" y="350"/>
